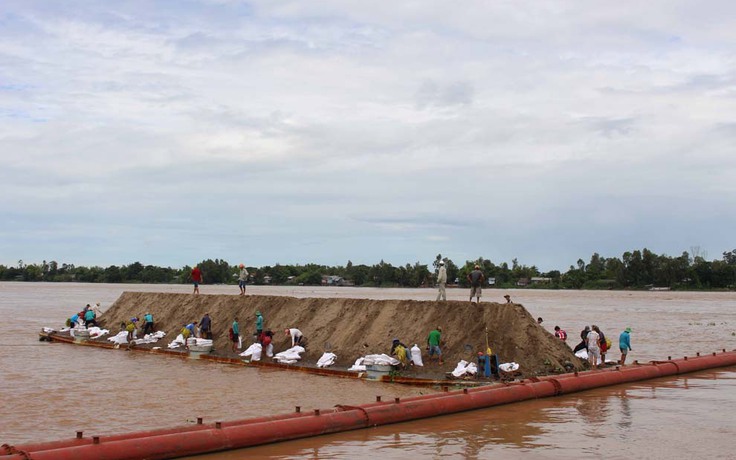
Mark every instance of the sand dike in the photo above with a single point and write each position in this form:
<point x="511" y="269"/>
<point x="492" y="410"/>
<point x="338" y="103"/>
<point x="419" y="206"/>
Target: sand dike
<point x="352" y="328"/>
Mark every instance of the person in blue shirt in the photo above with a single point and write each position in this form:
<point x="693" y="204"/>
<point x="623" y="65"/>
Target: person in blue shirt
<point x="235" y="335"/>
<point x="259" y="323"/>
<point x="74" y="321"/>
<point x="147" y="324"/>
<point x="624" y="344"/>
<point x="192" y="328"/>
<point x="89" y="318"/>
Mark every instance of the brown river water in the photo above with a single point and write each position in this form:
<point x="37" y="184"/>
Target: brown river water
<point x="49" y="391"/>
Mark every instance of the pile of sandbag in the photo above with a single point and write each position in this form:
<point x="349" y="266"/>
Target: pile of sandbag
<point x="369" y="360"/>
<point x="253" y="352"/>
<point x="464" y="368"/>
<point x="382" y="359"/>
<point x="358" y="366"/>
<point x="120" y="338"/>
<point x="150" y="338"/>
<point x="327" y="359"/>
<point x="290" y="356"/>
<point x="96" y="332"/>
<point x="177" y="342"/>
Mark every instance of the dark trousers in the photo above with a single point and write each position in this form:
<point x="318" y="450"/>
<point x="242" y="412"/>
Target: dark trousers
<point x="580" y="346"/>
<point x="148" y="328"/>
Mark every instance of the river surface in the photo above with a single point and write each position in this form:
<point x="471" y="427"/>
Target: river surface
<point x="49" y="391"/>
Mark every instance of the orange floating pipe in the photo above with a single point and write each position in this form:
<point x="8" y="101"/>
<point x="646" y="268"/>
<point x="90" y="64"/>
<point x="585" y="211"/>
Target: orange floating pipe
<point x="178" y="442"/>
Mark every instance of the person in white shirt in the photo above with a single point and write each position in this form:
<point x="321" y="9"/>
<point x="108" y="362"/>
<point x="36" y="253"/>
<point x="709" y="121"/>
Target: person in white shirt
<point x="296" y="336"/>
<point x="594" y="350"/>
<point x="442" y="281"/>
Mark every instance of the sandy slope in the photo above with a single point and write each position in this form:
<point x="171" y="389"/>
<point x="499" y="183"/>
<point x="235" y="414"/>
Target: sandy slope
<point x="352" y="328"/>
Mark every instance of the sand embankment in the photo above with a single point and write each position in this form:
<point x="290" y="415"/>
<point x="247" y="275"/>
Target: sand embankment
<point x="351" y="328"/>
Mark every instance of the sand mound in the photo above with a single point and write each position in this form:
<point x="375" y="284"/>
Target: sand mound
<point x="352" y="328"/>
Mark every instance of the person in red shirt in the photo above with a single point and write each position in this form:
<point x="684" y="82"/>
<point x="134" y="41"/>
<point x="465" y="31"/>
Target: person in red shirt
<point x="560" y="334"/>
<point x="196" y="278"/>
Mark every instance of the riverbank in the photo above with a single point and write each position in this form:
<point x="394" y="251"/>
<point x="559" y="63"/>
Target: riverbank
<point x="352" y="328"/>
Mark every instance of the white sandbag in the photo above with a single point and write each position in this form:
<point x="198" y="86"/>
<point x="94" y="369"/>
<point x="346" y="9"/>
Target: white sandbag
<point x="327" y="359"/>
<point x="177" y="342"/>
<point x="416" y="355"/>
<point x="382" y="359"/>
<point x="96" y="332"/>
<point x="583" y="354"/>
<point x="203" y="342"/>
<point x="509" y="367"/>
<point x="49" y="330"/>
<point x="254" y="352"/>
<point x="465" y="368"/>
<point x="460" y="368"/>
<point x="120" y="338"/>
<point x="240" y="342"/>
<point x="358" y="366"/>
<point x="289" y="356"/>
<point x="269" y="350"/>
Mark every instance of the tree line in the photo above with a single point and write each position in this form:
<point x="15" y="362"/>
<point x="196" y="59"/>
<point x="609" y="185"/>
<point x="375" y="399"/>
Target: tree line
<point x="639" y="269"/>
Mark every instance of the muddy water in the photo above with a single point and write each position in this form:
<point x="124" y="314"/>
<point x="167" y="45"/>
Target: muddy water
<point x="51" y="390"/>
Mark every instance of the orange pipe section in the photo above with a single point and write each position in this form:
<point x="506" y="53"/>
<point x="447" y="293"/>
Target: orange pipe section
<point x="165" y="444"/>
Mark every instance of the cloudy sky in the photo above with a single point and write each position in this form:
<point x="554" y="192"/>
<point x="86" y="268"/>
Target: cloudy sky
<point x="267" y="132"/>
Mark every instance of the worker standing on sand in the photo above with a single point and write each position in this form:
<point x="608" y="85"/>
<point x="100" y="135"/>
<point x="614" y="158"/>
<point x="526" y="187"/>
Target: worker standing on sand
<point x="400" y="350"/>
<point x="508" y="298"/>
<point x="242" y="278"/>
<point x="235" y="335"/>
<point x="442" y="282"/>
<point x="433" y="345"/>
<point x="560" y="334"/>
<point x="583" y="345"/>
<point x="89" y="318"/>
<point x="131" y="327"/>
<point x="259" y="327"/>
<point x="602" y="344"/>
<point x="196" y="278"/>
<point x="205" y="326"/>
<point x="296" y="336"/>
<point x="147" y="323"/>
<point x="594" y="351"/>
<point x="624" y="344"/>
<point x="476" y="279"/>
<point x="192" y="328"/>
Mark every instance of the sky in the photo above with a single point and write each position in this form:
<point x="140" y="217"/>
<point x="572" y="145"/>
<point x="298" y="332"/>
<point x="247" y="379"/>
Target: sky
<point x="299" y="132"/>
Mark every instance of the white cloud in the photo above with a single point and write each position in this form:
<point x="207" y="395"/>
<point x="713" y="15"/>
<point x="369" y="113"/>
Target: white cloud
<point x="343" y="130"/>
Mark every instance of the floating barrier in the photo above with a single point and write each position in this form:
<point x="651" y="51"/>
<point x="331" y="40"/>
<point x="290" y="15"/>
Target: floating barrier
<point x="181" y="353"/>
<point x="200" y="439"/>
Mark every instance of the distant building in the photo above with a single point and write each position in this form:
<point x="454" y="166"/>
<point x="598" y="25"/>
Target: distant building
<point x="541" y="280"/>
<point x="491" y="281"/>
<point x="523" y="282"/>
<point x="333" y="280"/>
